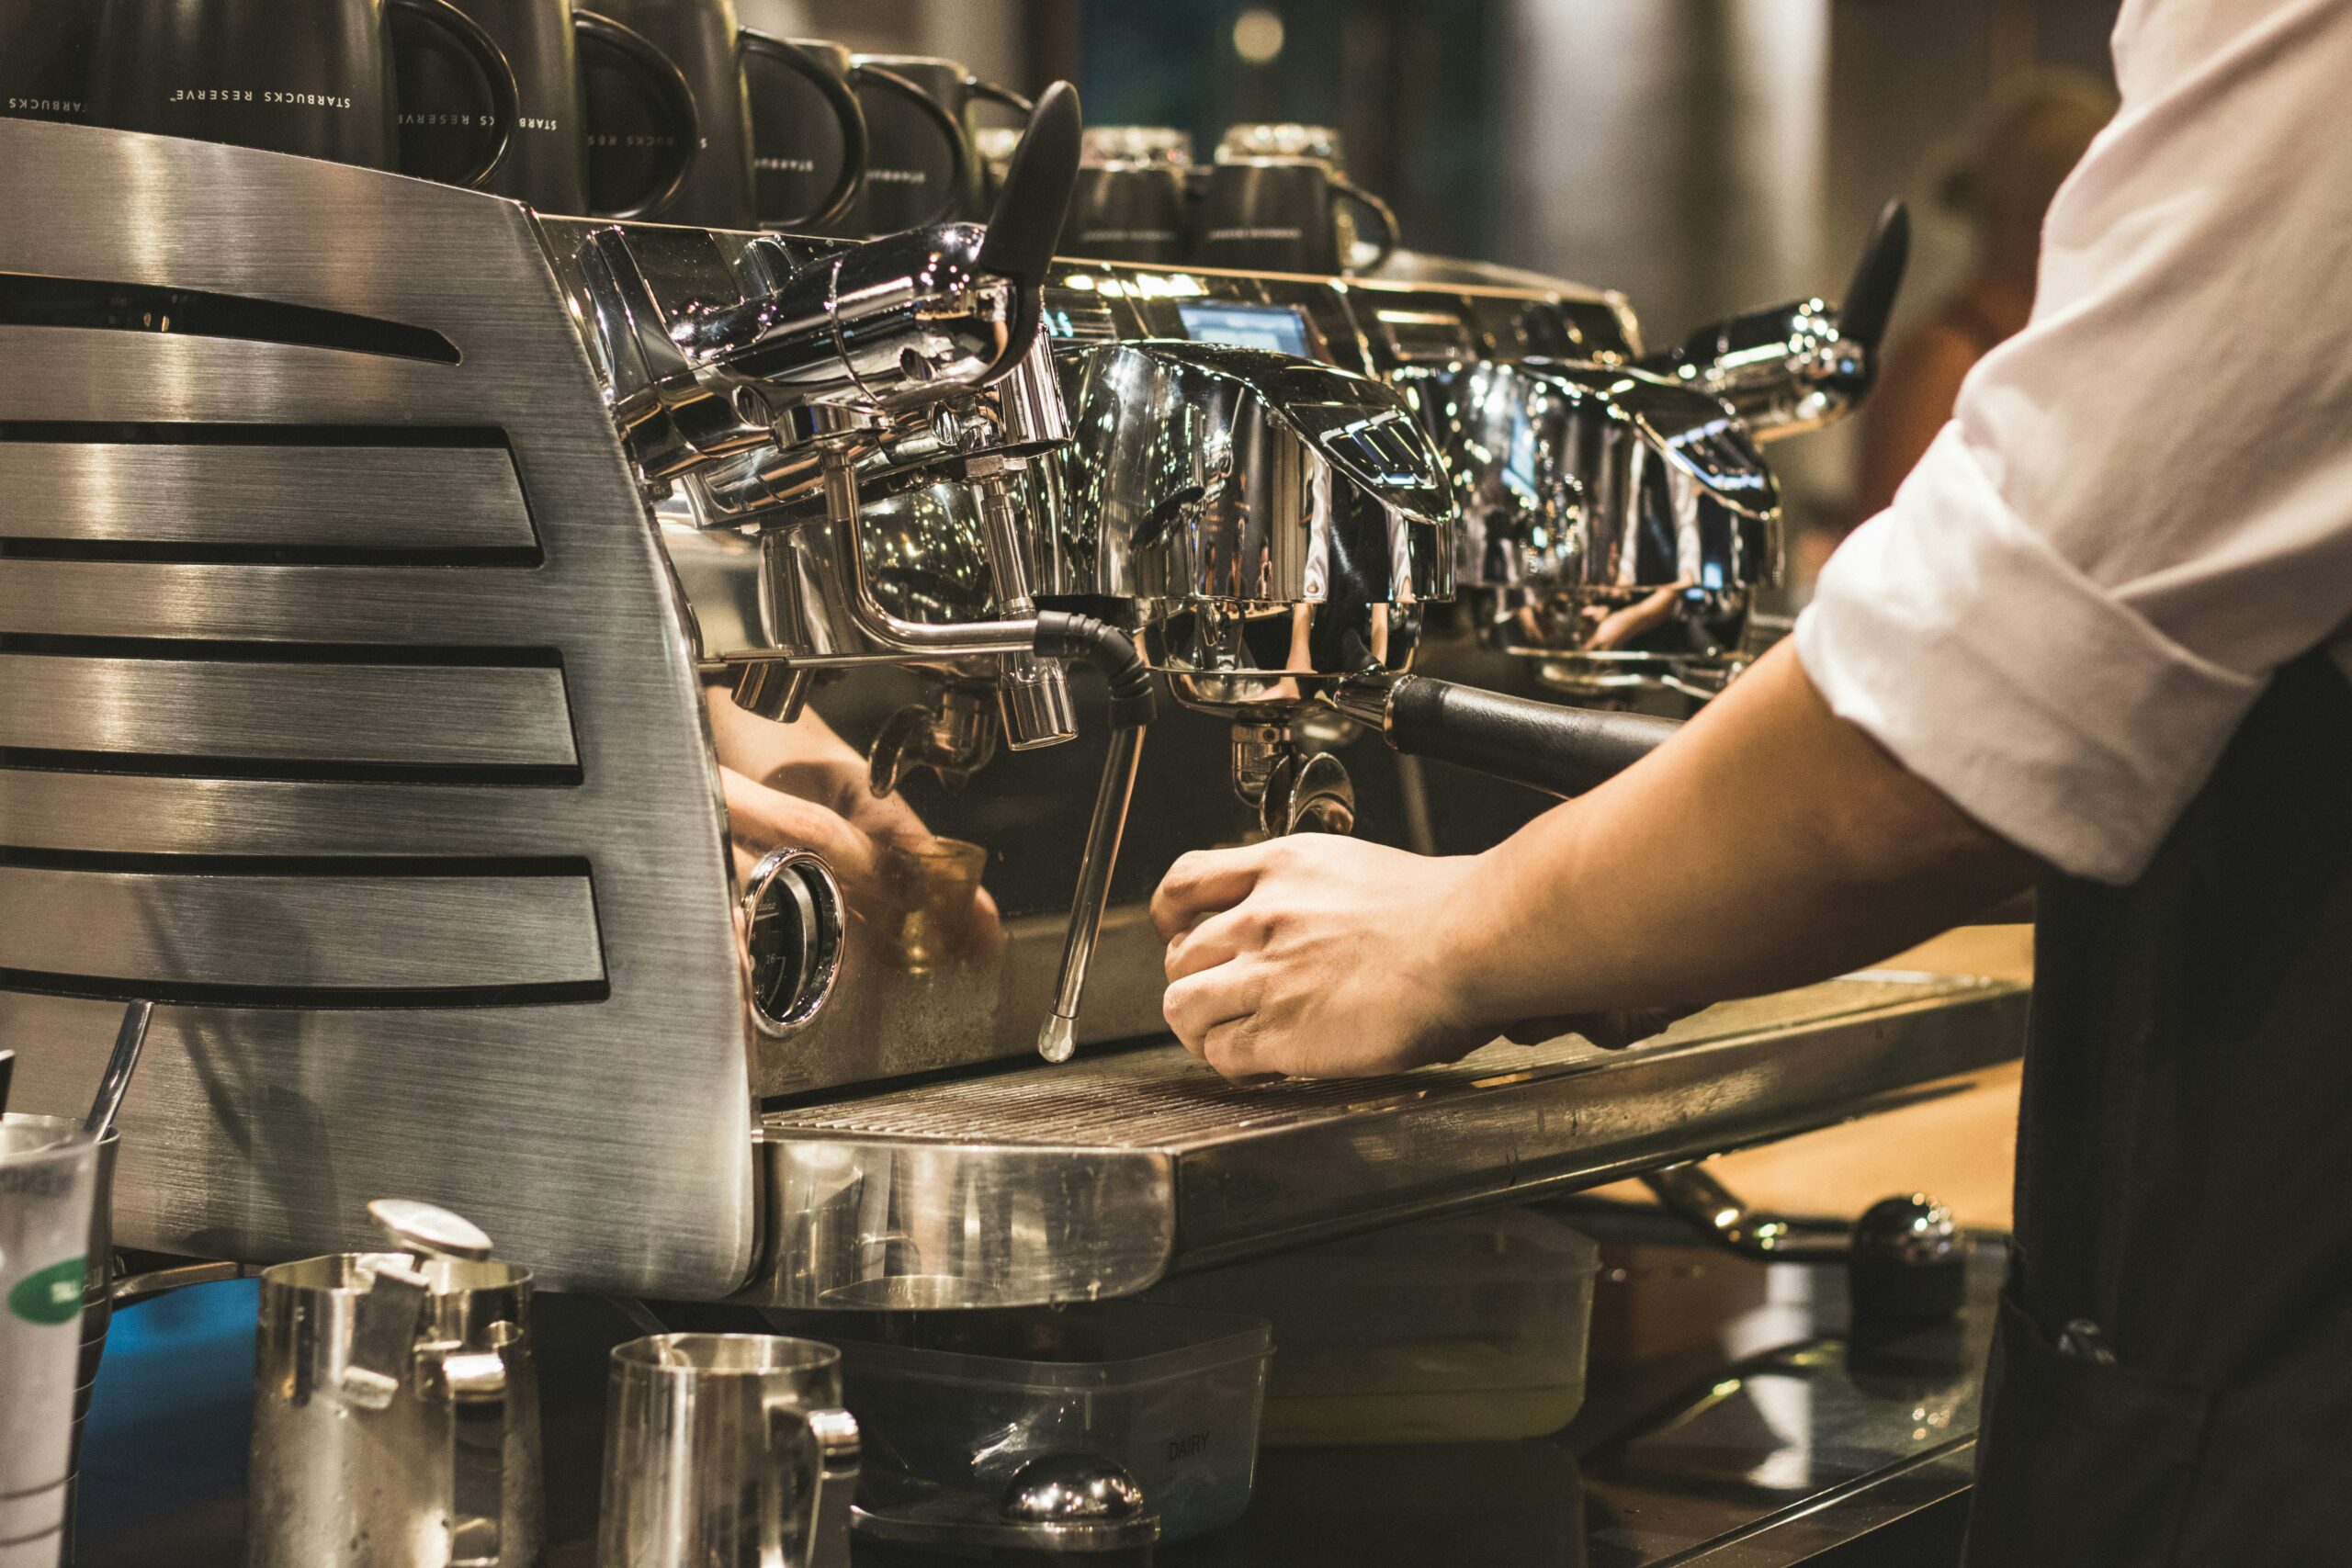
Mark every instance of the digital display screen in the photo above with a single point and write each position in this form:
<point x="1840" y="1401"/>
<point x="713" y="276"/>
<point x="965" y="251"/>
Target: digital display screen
<point x="1280" y="328"/>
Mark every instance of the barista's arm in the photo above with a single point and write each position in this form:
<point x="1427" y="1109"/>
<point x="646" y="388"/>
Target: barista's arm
<point x="1769" y="844"/>
<point x="805" y="759"/>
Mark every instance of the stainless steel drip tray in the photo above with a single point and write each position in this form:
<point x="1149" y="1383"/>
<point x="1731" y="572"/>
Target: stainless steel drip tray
<point x="1103" y="1177"/>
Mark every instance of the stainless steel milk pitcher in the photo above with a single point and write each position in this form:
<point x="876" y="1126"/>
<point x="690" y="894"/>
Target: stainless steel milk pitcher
<point x="727" y="1451"/>
<point x="396" y="1420"/>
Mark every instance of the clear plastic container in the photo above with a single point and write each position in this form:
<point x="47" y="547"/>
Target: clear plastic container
<point x="963" y="1400"/>
<point x="1471" y="1328"/>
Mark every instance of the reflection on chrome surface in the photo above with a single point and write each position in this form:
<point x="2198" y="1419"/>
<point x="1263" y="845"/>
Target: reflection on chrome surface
<point x="1274" y="530"/>
<point x="1604" y="511"/>
<point x="1272" y="521"/>
<point x="1210" y="474"/>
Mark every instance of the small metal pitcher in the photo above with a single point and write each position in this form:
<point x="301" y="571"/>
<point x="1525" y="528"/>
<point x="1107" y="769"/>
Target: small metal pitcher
<point x="727" y="1451"/>
<point x="396" y="1417"/>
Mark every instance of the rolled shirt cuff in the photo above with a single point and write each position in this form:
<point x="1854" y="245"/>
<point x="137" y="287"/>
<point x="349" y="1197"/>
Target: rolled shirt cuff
<point x="1988" y="664"/>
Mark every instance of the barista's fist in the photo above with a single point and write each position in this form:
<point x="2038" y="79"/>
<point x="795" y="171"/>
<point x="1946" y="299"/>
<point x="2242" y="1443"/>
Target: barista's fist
<point x="1315" y="956"/>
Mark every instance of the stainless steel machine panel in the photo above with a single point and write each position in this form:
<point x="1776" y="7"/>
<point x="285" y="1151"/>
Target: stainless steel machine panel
<point x="350" y="714"/>
<point x="350" y="709"/>
<point x="316" y="934"/>
<point x="886" y="1018"/>
<point x="428" y="606"/>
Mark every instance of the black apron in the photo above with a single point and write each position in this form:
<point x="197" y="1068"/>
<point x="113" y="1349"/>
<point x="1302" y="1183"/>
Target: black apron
<point x="2171" y="1380"/>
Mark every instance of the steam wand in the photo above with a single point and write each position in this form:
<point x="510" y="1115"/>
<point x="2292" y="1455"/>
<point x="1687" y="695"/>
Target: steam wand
<point x="1057" y="1041"/>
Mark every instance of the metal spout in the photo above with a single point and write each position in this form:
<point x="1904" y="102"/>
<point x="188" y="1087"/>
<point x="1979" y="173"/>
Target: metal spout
<point x="1057" y="1041"/>
<point x="1034" y="692"/>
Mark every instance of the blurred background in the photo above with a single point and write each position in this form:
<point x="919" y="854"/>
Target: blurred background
<point x="1699" y="155"/>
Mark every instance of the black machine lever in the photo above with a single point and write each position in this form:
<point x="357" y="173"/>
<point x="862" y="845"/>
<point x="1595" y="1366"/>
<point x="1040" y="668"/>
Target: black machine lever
<point x="885" y="325"/>
<point x="1029" y="213"/>
<point x="1033" y="204"/>
<point x="1878" y="278"/>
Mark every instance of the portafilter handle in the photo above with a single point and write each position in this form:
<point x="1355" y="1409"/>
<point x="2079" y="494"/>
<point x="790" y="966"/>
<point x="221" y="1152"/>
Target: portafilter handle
<point x="1545" y="746"/>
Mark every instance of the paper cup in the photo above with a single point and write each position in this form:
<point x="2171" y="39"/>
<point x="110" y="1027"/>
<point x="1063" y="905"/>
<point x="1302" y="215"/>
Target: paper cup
<point x="48" y="1188"/>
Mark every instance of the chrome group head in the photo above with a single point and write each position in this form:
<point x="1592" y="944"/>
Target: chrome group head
<point x="1275" y="522"/>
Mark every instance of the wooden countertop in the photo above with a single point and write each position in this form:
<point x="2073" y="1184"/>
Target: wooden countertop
<point x="1960" y="1149"/>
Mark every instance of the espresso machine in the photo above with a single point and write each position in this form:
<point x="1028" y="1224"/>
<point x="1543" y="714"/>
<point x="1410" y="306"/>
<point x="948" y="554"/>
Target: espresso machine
<point x="367" y="598"/>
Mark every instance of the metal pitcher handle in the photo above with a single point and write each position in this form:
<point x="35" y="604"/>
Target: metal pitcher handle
<point x="832" y="1485"/>
<point x="474" y="1382"/>
<point x="383" y="1330"/>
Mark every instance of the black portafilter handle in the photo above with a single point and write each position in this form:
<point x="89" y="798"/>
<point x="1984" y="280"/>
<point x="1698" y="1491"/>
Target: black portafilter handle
<point x="1862" y="314"/>
<point x="1560" y="751"/>
<point x="1027" y="221"/>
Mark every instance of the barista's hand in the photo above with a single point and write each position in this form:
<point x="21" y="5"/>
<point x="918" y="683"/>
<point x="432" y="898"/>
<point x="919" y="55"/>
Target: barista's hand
<point x="806" y="760"/>
<point x="801" y="786"/>
<point x="1316" y="956"/>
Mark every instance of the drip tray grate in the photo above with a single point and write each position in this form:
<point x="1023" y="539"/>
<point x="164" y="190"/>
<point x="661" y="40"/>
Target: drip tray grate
<point x="1103" y="1175"/>
<point x="1159" y="1097"/>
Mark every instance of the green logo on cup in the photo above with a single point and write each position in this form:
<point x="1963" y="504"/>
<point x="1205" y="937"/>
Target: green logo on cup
<point x="52" y="1296"/>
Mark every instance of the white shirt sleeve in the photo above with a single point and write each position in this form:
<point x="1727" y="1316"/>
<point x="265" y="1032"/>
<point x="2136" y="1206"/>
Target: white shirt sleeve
<point x="2143" y="505"/>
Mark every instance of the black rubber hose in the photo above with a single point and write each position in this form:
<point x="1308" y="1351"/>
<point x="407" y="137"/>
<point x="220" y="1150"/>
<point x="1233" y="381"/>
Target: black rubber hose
<point x="1133" y="700"/>
<point x="1560" y="751"/>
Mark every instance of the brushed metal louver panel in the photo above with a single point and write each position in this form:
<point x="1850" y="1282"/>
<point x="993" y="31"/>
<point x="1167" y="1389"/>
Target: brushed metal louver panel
<point x="154" y="377"/>
<point x="560" y="1056"/>
<point x="359" y="712"/>
<point x="372" y="605"/>
<point x="349" y="497"/>
<point x="144" y="815"/>
<point x="351" y="933"/>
